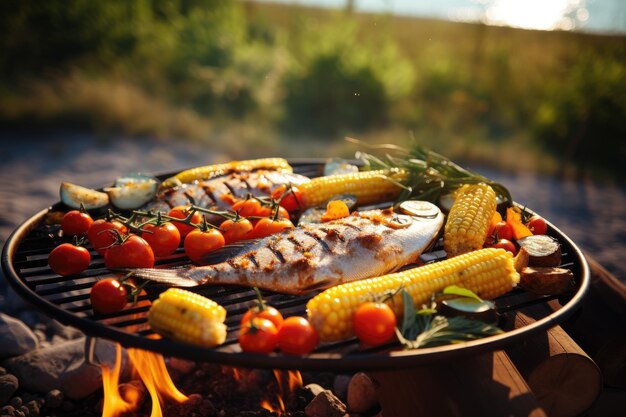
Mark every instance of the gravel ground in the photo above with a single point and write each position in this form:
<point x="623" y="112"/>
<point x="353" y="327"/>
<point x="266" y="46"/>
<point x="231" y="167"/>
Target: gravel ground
<point x="33" y="167"/>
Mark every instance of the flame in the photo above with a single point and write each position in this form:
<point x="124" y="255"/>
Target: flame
<point x="114" y="404"/>
<point x="286" y="386"/>
<point x="152" y="370"/>
<point x="153" y="373"/>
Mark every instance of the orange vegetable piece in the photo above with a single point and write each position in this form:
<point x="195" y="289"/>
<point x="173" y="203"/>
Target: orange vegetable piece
<point x="497" y="218"/>
<point x="514" y="219"/>
<point x="336" y="209"/>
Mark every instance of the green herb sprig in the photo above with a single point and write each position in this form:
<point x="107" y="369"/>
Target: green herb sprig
<point x="431" y="175"/>
<point x="425" y="328"/>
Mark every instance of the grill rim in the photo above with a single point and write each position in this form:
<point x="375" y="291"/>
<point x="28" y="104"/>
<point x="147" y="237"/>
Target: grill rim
<point x="332" y="361"/>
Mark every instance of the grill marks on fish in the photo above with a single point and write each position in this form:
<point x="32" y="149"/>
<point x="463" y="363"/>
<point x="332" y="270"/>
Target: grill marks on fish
<point x="319" y="240"/>
<point x="218" y="193"/>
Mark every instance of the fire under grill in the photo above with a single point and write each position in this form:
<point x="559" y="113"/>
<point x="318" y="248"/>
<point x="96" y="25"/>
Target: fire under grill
<point x="24" y="262"/>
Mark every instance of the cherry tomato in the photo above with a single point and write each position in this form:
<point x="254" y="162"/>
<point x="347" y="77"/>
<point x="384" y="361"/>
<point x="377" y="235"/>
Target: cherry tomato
<point x="374" y="323"/>
<point x="133" y="252"/>
<point x="199" y="243"/>
<point x="537" y="225"/>
<point x="108" y="296"/>
<point x="75" y="223"/>
<point x="297" y="336"/>
<point x="268" y="226"/>
<point x="504" y="230"/>
<point x="101" y="234"/>
<point x="269" y="212"/>
<point x="258" y="335"/>
<point x="163" y="239"/>
<point x="249" y="207"/>
<point x="506" y="245"/>
<point x="268" y="312"/>
<point x="181" y="212"/>
<point x="234" y="231"/>
<point x="292" y="201"/>
<point x="67" y="259"/>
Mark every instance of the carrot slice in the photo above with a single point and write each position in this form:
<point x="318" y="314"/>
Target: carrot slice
<point x="514" y="219"/>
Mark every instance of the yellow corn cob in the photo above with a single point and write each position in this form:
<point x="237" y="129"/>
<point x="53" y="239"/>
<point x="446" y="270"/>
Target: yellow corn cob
<point x="468" y="222"/>
<point x="210" y="171"/>
<point x="368" y="186"/>
<point x="487" y="272"/>
<point x="188" y="317"/>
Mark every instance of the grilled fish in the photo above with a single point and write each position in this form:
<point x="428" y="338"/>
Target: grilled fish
<point x="317" y="256"/>
<point x="220" y="193"/>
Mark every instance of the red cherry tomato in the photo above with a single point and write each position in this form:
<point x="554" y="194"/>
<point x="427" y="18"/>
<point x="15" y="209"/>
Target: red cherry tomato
<point x="292" y="201"/>
<point x="258" y="335"/>
<point x="268" y="312"/>
<point x="249" y="207"/>
<point x="297" y="336"/>
<point x="181" y="212"/>
<point x="163" y="239"/>
<point x="234" y="231"/>
<point x="67" y="259"/>
<point x="506" y="245"/>
<point x="268" y="226"/>
<point x="504" y="230"/>
<point x="133" y="252"/>
<point x="199" y="243"/>
<point x="76" y="223"/>
<point x="374" y="323"/>
<point x="101" y="234"/>
<point x="108" y="296"/>
<point x="537" y="225"/>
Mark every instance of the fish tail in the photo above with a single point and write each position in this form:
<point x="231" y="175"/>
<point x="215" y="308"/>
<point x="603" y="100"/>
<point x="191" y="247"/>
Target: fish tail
<point x="174" y="277"/>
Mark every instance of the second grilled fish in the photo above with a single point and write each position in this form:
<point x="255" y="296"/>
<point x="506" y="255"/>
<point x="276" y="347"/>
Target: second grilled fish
<point x="316" y="256"/>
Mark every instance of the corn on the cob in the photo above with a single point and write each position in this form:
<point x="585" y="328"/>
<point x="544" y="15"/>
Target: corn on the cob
<point x="368" y="186"/>
<point x="188" y="317"/>
<point x="487" y="272"/>
<point x="468" y="222"/>
<point x="210" y="171"/>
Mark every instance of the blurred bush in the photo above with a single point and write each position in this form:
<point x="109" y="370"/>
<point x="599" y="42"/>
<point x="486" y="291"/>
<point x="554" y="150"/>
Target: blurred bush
<point x="582" y="115"/>
<point x="340" y="80"/>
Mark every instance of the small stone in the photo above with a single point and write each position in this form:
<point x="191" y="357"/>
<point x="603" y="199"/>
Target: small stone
<point x="7" y="410"/>
<point x="362" y="395"/>
<point x="18" y="413"/>
<point x="325" y="405"/>
<point x="15" y="337"/>
<point x="194" y="399"/>
<point x="16" y="402"/>
<point x="134" y="392"/>
<point x="54" y="398"/>
<point x="314" y="389"/>
<point x="33" y="407"/>
<point x="2" y="371"/>
<point x="25" y="410"/>
<point x="340" y="386"/>
<point x="8" y="385"/>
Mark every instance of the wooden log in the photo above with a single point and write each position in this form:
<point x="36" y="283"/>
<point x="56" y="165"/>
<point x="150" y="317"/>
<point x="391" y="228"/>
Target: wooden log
<point x="483" y="385"/>
<point x="564" y="378"/>
<point x="597" y="325"/>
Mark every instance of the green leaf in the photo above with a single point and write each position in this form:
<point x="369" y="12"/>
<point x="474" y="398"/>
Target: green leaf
<point x="409" y="313"/>
<point x="461" y="292"/>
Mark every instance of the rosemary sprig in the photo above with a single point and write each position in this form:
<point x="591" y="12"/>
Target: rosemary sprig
<point x="431" y="175"/>
<point x="425" y="328"/>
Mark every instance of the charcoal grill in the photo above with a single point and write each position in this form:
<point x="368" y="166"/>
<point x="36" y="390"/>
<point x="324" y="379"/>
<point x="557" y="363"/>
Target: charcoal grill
<point x="66" y="299"/>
